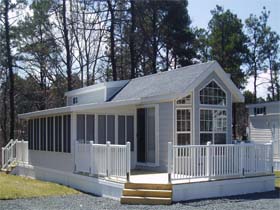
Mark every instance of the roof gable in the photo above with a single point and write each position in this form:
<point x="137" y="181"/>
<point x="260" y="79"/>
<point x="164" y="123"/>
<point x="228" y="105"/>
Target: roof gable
<point x="175" y="83"/>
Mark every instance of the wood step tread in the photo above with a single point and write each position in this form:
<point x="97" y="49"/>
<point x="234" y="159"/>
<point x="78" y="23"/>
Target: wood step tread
<point x="148" y="186"/>
<point x="148" y="193"/>
<point x="143" y="197"/>
<point x="145" y="200"/>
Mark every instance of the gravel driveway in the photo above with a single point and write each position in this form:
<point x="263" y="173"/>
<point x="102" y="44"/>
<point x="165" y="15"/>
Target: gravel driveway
<point x="262" y="201"/>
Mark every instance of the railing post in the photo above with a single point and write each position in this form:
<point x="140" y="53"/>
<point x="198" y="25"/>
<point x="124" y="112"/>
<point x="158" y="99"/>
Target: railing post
<point x="108" y="168"/>
<point x="90" y="156"/>
<point x="128" y="159"/>
<point x="271" y="155"/>
<point x="3" y="150"/>
<point x="242" y="158"/>
<point x="170" y="147"/>
<point x="208" y="159"/>
<point x="76" y="155"/>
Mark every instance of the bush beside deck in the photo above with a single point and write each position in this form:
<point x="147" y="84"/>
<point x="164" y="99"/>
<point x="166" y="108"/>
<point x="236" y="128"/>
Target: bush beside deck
<point x="14" y="187"/>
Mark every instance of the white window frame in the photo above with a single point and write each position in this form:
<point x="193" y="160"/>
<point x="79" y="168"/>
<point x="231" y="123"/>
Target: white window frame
<point x="183" y="107"/>
<point x="213" y="105"/>
<point x="213" y="132"/>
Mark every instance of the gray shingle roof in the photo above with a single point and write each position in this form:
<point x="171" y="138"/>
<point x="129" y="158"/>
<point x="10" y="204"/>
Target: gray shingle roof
<point x="163" y="83"/>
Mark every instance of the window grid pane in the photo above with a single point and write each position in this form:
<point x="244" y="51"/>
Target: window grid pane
<point x="212" y="94"/>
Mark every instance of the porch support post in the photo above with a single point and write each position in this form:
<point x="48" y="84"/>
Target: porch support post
<point x="242" y="158"/>
<point x="108" y="168"/>
<point x="128" y="159"/>
<point x="208" y="159"/>
<point x="271" y="156"/>
<point x="91" y="157"/>
<point x="170" y="147"/>
<point x="73" y="135"/>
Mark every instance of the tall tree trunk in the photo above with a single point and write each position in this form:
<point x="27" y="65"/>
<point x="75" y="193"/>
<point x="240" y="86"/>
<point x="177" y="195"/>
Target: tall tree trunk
<point x="167" y="59"/>
<point x="154" y="41"/>
<point x="4" y="112"/>
<point x="272" y="81"/>
<point x="131" y="40"/>
<point x="10" y="68"/>
<point x="255" y="82"/>
<point x="112" y="40"/>
<point x="67" y="47"/>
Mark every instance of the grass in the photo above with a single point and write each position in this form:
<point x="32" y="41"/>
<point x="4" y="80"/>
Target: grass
<point x="13" y="187"/>
<point x="277" y="179"/>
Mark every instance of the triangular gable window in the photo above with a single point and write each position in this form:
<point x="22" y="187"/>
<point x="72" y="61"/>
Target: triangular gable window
<point x="212" y="94"/>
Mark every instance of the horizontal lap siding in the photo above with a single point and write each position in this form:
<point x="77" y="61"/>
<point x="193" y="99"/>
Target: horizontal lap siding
<point x="259" y="130"/>
<point x="165" y="131"/>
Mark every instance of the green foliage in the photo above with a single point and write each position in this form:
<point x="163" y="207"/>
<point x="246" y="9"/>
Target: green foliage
<point x="227" y="42"/>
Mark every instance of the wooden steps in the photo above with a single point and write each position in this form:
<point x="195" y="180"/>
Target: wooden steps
<point x="147" y="194"/>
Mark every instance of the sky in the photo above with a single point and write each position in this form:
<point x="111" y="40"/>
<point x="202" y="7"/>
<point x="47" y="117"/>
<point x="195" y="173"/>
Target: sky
<point x="199" y="11"/>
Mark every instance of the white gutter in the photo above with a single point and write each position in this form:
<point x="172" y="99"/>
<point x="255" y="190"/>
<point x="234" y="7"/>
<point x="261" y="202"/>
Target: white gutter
<point x="82" y="107"/>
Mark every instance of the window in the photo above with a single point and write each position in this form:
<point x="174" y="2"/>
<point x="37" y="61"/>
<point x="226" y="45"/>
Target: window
<point x="213" y="126"/>
<point x="212" y="94"/>
<point x="130" y="131"/>
<point x="184" y="101"/>
<point x="81" y="127"/>
<point x="183" y="120"/>
<point x="30" y="134"/>
<point x="90" y="124"/>
<point x="50" y="134"/>
<point x="75" y="100"/>
<point x="126" y="130"/>
<point x="260" y="110"/>
<point x="43" y="134"/>
<point x="111" y="128"/>
<point x="183" y="126"/>
<point x="121" y="129"/>
<point x="66" y="133"/>
<point x="102" y="129"/>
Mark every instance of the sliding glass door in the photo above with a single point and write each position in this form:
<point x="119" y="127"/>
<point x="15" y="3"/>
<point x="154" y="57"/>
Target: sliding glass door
<point x="146" y="145"/>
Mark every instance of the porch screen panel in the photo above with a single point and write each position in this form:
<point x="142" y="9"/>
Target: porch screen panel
<point x="130" y="131"/>
<point x="36" y="131"/>
<point x="111" y="128"/>
<point x="101" y="129"/>
<point x="90" y="128"/>
<point x="58" y="133"/>
<point x="43" y="134"/>
<point x="121" y="129"/>
<point x="81" y="127"/>
<point x="66" y="133"/>
<point x="50" y="133"/>
<point x="30" y="134"/>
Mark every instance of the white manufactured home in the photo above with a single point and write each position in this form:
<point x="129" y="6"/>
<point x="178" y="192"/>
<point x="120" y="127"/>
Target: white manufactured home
<point x="155" y="139"/>
<point x="264" y="126"/>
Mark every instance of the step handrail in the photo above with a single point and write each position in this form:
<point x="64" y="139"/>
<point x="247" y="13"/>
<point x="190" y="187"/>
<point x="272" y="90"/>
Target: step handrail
<point x="6" y="161"/>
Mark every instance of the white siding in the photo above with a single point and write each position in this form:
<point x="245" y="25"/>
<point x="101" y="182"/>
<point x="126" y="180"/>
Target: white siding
<point x="165" y="131"/>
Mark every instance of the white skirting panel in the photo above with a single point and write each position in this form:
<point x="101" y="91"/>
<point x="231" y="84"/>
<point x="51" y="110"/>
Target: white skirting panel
<point x="92" y="185"/>
<point x="212" y="189"/>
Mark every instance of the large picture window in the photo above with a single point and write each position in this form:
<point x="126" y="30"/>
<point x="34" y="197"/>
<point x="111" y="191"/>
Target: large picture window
<point x="212" y="94"/>
<point x="213" y="126"/>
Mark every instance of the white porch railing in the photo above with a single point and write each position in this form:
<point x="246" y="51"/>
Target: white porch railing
<point x="219" y="161"/>
<point x="14" y="151"/>
<point x="103" y="159"/>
